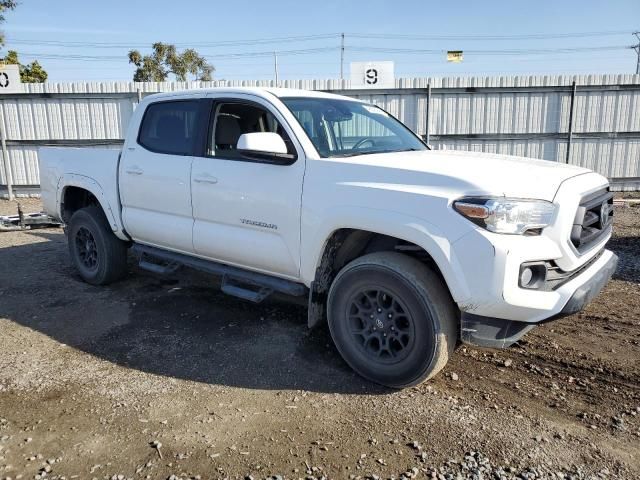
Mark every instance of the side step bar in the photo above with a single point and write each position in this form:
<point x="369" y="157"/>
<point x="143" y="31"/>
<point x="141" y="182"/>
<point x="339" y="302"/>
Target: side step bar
<point x="253" y="293"/>
<point x="236" y="281"/>
<point x="157" y="268"/>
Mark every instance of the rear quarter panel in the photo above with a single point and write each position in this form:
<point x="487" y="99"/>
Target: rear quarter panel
<point x="93" y="169"/>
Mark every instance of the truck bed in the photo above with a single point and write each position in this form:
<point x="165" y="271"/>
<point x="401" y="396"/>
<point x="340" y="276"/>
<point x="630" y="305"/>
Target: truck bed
<point x="94" y="169"/>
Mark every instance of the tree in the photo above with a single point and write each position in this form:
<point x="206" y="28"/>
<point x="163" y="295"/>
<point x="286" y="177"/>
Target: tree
<point x="31" y="73"/>
<point x="4" y="6"/>
<point x="165" y="59"/>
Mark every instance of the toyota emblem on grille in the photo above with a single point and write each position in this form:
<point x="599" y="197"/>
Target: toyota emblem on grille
<point x="604" y="214"/>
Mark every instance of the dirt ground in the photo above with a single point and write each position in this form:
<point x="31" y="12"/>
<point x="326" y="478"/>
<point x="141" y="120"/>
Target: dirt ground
<point x="90" y="377"/>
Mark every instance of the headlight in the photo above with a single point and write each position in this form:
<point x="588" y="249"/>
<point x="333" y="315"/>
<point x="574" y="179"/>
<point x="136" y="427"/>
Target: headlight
<point x="506" y="215"/>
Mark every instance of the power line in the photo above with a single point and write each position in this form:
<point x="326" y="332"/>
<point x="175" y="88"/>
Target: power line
<point x="269" y="53"/>
<point x="295" y="67"/>
<point x="530" y="51"/>
<point x="268" y="40"/>
<point x="224" y="43"/>
<point x="355" y="48"/>
<point x="120" y="58"/>
<point x="535" y="36"/>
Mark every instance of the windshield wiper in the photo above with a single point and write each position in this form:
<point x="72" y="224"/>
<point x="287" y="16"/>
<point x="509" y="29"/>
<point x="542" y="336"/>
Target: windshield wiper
<point x="372" y="152"/>
<point x="345" y="155"/>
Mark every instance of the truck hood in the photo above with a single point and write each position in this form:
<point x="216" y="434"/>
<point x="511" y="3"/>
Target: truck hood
<point x="468" y="173"/>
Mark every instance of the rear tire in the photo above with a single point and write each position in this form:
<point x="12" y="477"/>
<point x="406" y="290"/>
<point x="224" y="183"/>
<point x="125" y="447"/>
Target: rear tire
<point x="392" y="319"/>
<point x="97" y="254"/>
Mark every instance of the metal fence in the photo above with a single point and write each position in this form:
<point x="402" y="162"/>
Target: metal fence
<point x="587" y="120"/>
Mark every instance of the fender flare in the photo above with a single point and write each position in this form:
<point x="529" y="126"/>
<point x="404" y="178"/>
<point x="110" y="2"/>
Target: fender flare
<point x="92" y="186"/>
<point x="394" y="224"/>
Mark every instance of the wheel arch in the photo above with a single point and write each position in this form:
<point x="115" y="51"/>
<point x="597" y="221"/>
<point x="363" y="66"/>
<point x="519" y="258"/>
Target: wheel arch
<point x="343" y="245"/>
<point x="78" y="191"/>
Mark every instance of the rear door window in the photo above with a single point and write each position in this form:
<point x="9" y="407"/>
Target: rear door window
<point x="170" y="127"/>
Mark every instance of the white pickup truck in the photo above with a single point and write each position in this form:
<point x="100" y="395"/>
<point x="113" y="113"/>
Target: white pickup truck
<point x="406" y="251"/>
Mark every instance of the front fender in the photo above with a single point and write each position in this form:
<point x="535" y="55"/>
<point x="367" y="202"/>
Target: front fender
<point x="91" y="185"/>
<point x="394" y="224"/>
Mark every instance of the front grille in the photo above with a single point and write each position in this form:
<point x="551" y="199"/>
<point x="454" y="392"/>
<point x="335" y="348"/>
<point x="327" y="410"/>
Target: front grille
<point x="593" y="219"/>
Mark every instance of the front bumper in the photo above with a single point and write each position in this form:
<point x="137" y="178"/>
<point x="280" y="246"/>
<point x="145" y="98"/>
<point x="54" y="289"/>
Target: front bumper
<point x="587" y="292"/>
<point x="501" y="333"/>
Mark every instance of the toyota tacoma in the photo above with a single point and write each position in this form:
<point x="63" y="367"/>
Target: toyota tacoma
<point x="403" y="250"/>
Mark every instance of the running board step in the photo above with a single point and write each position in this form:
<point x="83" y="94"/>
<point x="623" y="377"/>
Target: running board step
<point x="167" y="269"/>
<point x="252" y="293"/>
<point x="242" y="283"/>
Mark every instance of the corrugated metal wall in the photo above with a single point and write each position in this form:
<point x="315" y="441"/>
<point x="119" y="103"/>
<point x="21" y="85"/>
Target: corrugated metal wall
<point x="519" y="115"/>
<point x="530" y="116"/>
<point x="29" y="122"/>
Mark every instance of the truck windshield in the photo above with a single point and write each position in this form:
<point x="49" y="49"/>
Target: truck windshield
<point x="345" y="128"/>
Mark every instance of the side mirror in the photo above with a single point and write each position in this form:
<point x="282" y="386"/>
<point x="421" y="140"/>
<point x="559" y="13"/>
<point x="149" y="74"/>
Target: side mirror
<point x="261" y="142"/>
<point x="265" y="146"/>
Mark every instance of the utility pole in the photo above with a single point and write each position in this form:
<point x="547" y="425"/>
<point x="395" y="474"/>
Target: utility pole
<point x="275" y="65"/>
<point x="637" y="49"/>
<point x="8" y="178"/>
<point x="342" y="56"/>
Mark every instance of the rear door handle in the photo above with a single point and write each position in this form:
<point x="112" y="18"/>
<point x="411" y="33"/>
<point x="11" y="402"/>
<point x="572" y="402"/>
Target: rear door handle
<point x="206" y="179"/>
<point x="134" y="171"/>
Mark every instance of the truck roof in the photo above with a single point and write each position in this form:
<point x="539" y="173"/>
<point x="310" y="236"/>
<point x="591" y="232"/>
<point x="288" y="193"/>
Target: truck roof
<point x="259" y="91"/>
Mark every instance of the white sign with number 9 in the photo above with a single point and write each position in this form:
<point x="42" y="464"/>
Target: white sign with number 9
<point x="372" y="75"/>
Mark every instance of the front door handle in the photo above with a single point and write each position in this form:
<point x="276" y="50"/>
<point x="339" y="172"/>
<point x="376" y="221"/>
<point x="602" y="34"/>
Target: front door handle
<point x="206" y="179"/>
<point x="135" y="170"/>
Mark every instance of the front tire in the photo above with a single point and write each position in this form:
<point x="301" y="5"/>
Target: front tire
<point x="392" y="319"/>
<point x="97" y="254"/>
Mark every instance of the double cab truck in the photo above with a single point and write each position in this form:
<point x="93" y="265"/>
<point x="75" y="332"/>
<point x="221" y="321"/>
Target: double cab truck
<point x="404" y="250"/>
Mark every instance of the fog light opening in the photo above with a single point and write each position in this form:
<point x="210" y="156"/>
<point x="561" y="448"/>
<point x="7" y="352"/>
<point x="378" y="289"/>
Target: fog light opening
<point x="533" y="276"/>
<point x="526" y="276"/>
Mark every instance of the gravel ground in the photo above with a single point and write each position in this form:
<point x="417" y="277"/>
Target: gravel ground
<point x="168" y="378"/>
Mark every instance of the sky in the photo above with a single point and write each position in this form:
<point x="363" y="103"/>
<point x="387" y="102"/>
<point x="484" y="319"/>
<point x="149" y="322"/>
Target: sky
<point x="78" y="40"/>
